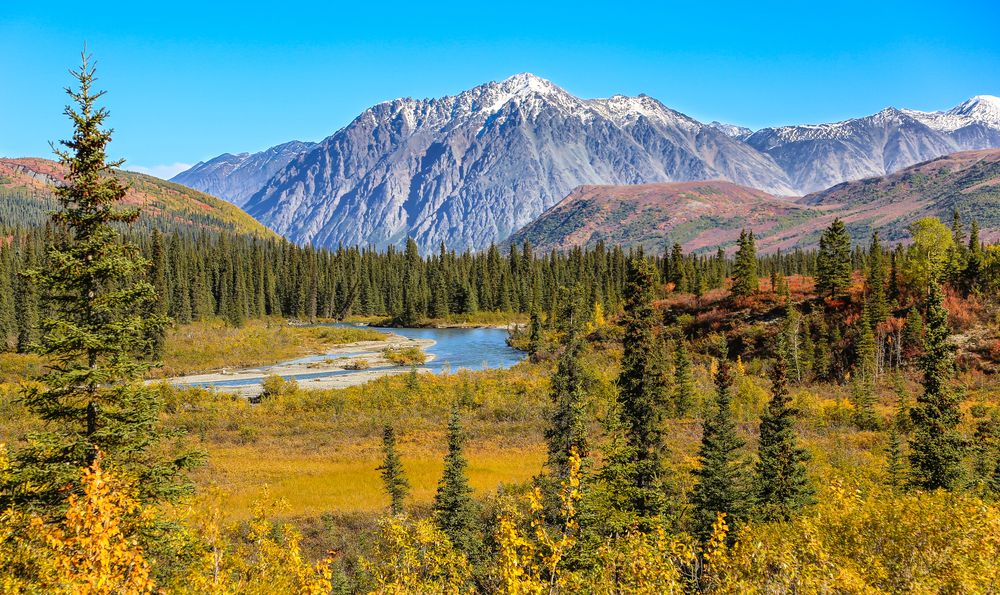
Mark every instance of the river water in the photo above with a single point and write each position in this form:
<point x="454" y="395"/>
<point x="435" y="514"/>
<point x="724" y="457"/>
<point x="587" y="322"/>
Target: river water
<point x="455" y="348"/>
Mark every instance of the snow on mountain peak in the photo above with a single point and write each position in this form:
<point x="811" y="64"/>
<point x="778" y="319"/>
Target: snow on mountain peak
<point x="981" y="107"/>
<point x="732" y="130"/>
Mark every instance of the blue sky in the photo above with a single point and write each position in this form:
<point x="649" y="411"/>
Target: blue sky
<point x="187" y="81"/>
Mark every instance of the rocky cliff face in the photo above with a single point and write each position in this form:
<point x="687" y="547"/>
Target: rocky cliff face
<point x="471" y="169"/>
<point x="821" y="156"/>
<point x="235" y="178"/>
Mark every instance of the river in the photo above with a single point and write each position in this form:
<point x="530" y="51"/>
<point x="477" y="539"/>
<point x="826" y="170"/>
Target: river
<point x="453" y="348"/>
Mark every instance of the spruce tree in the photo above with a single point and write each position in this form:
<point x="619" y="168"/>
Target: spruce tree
<point x="865" y="417"/>
<point x="642" y="393"/>
<point x="781" y="482"/>
<point x="720" y="477"/>
<point x="878" y="306"/>
<point x="833" y="262"/>
<point x="936" y="448"/>
<point x="684" y="391"/>
<point x="93" y="397"/>
<point x="27" y="302"/>
<point x="745" y="280"/>
<point x="895" y="457"/>
<point x="535" y="342"/>
<point x="567" y="429"/>
<point x="454" y="509"/>
<point x="158" y="277"/>
<point x="393" y="477"/>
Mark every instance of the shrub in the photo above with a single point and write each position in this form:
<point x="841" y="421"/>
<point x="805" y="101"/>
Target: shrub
<point x="404" y="356"/>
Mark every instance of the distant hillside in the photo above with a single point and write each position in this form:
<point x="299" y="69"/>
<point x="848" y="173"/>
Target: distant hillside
<point x="702" y="216"/>
<point x="967" y="181"/>
<point x="26" y="195"/>
<point x="698" y="215"/>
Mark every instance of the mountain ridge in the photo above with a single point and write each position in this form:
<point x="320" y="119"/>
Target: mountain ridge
<point x="703" y="216"/>
<point x="475" y="167"/>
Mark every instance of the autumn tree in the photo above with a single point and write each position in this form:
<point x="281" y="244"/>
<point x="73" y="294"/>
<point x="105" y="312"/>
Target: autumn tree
<point x="92" y="397"/>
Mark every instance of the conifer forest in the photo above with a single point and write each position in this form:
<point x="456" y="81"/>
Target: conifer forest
<point x="821" y="420"/>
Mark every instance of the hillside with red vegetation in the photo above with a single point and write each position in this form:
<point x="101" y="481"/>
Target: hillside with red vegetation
<point x="27" y="193"/>
<point x="702" y="216"/>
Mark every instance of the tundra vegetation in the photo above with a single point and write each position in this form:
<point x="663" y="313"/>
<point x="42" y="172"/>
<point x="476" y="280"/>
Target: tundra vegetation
<point x="805" y="422"/>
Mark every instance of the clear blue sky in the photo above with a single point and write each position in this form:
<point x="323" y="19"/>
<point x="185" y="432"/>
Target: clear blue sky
<point x="187" y="81"/>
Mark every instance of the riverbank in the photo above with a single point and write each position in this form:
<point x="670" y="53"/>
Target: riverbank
<point x="348" y="364"/>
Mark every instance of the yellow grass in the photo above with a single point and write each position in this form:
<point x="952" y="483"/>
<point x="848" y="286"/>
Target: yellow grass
<point x="348" y="482"/>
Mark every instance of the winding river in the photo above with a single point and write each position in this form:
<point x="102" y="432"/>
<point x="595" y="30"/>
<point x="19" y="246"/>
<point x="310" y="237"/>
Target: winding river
<point x="454" y="348"/>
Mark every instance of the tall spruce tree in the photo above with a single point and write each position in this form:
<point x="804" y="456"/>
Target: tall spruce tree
<point x="93" y="397"/>
<point x="863" y="390"/>
<point x="393" y="477"/>
<point x="642" y="393"/>
<point x="454" y="509"/>
<point x="936" y="448"/>
<point x="27" y="302"/>
<point x="781" y="481"/>
<point x="684" y="391"/>
<point x="833" y="262"/>
<point x="567" y="429"/>
<point x="721" y="484"/>
<point x="745" y="280"/>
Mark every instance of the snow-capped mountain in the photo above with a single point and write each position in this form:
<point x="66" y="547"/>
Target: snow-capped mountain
<point x="476" y="167"/>
<point x="737" y="132"/>
<point x="817" y="157"/>
<point x="236" y="177"/>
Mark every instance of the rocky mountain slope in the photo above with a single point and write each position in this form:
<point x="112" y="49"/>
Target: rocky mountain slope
<point x="817" y="157"/>
<point x="474" y="168"/>
<point x="703" y="216"/>
<point x="237" y="177"/>
<point x="26" y="196"/>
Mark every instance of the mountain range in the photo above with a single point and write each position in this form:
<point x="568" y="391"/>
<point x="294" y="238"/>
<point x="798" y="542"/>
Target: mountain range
<point x="702" y="216"/>
<point x="474" y="168"/>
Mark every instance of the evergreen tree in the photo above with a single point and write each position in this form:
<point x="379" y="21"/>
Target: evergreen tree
<point x="454" y="509"/>
<point x="393" y="477"/>
<point x="93" y="397"/>
<point x="878" y="306"/>
<point x="745" y="280"/>
<point x="535" y="342"/>
<point x="567" y="428"/>
<point x="158" y="276"/>
<point x="642" y="394"/>
<point x="913" y="330"/>
<point x="834" y="259"/>
<point x="936" y="448"/>
<point x="27" y="303"/>
<point x="720" y="476"/>
<point x="684" y="391"/>
<point x="865" y="417"/>
<point x="781" y="481"/>
<point x="896" y="458"/>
